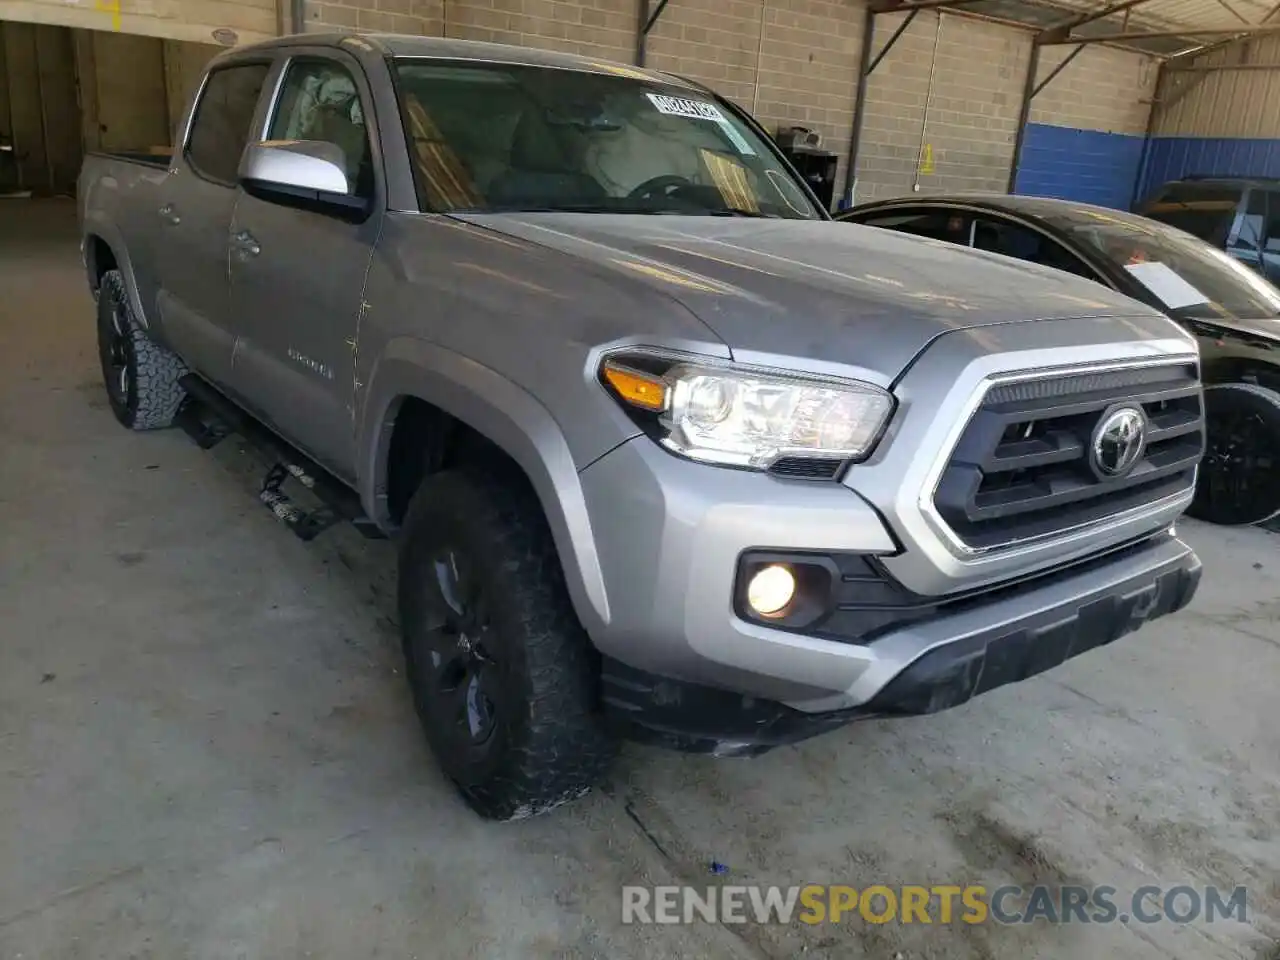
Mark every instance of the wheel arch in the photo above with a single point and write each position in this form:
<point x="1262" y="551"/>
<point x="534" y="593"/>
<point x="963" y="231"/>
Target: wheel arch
<point x="104" y="249"/>
<point x="413" y="375"/>
<point x="1226" y="370"/>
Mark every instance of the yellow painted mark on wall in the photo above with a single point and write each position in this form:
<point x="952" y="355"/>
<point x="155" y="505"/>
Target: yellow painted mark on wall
<point x="926" y="159"/>
<point x="112" y="7"/>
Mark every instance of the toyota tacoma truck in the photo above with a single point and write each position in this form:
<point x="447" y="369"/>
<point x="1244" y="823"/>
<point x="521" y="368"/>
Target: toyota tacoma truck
<point x="666" y="453"/>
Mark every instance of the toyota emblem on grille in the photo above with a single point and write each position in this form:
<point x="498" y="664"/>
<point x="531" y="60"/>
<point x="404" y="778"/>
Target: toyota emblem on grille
<point x="1118" y="442"/>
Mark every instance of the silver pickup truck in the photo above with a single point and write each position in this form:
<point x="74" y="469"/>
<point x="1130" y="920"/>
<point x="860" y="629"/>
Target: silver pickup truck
<point x="666" y="452"/>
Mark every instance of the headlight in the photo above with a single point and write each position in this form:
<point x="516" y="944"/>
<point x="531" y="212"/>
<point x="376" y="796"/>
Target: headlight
<point x="740" y="417"/>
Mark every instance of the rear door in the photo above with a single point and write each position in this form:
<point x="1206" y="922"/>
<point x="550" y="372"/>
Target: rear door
<point x="298" y="274"/>
<point x="193" y="211"/>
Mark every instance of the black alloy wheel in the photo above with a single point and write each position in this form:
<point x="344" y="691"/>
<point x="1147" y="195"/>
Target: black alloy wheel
<point x="454" y="657"/>
<point x="1239" y="478"/>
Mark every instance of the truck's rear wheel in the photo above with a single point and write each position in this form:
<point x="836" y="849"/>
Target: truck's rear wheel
<point x="501" y="671"/>
<point x="140" y="375"/>
<point x="1239" y="482"/>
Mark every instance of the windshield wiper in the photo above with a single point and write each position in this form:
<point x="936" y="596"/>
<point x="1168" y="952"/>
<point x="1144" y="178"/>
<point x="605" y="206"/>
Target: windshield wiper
<point x="619" y="209"/>
<point x="569" y="208"/>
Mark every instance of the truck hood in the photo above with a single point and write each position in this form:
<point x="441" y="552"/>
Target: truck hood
<point x="819" y="290"/>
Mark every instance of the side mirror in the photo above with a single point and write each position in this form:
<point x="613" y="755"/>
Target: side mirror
<point x="300" y="164"/>
<point x="310" y="174"/>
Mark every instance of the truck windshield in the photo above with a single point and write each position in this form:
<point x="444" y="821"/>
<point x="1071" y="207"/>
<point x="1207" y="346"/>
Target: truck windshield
<point x="503" y="137"/>
<point x="1189" y="278"/>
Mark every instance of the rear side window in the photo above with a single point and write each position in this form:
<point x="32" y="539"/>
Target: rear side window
<point x="223" y="116"/>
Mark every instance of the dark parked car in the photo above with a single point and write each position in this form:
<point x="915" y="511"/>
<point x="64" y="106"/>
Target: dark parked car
<point x="1239" y="216"/>
<point x="1233" y="312"/>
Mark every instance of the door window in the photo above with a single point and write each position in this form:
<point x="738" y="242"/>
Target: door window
<point x="320" y="101"/>
<point x="1009" y="239"/>
<point x="223" y="116"/>
<point x="935" y="224"/>
<point x="1023" y="243"/>
<point x="1253" y="223"/>
<point x="1271" y="232"/>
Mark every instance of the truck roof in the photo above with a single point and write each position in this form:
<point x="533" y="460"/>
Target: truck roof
<point x="408" y="45"/>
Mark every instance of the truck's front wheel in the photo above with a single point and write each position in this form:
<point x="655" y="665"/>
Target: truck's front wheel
<point x="500" y="669"/>
<point x="140" y="375"/>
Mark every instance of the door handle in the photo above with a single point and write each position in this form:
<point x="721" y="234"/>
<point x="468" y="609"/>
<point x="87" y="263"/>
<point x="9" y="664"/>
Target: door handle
<point x="246" y="244"/>
<point x="169" y="214"/>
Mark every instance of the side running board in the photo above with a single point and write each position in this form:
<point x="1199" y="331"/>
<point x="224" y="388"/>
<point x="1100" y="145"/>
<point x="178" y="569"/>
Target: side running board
<point x="208" y="418"/>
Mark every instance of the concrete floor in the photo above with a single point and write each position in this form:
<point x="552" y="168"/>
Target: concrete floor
<point x="206" y="749"/>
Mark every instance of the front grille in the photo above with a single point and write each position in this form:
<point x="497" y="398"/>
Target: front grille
<point x="1022" y="469"/>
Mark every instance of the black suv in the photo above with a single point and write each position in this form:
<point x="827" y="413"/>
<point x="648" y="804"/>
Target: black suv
<point x="1240" y="216"/>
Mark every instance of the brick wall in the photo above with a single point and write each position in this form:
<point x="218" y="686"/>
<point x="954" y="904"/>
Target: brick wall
<point x="596" y="28"/>
<point x="716" y="42"/>
<point x="1102" y="89"/>
<point x="1087" y="127"/>
<point x="965" y="129"/>
<point x="808" y="63"/>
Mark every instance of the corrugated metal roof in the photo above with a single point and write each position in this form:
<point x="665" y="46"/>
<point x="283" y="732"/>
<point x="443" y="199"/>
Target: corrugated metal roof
<point x="1234" y="104"/>
<point x="1179" y="18"/>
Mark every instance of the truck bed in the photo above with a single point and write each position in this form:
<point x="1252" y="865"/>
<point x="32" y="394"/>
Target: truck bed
<point x="151" y="158"/>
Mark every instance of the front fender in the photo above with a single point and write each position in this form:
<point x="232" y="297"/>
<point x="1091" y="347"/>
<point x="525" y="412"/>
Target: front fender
<point x="507" y="415"/>
<point x="97" y="225"/>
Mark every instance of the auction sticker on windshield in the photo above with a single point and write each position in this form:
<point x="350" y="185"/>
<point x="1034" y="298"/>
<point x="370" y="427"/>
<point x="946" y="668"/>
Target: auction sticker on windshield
<point x="680" y="107"/>
<point x="700" y="110"/>
<point x="1169" y="288"/>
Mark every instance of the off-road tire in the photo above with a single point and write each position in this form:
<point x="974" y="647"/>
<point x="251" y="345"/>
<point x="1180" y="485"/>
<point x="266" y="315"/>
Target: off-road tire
<point x="149" y="395"/>
<point x="549" y="744"/>
<point x="1260" y="407"/>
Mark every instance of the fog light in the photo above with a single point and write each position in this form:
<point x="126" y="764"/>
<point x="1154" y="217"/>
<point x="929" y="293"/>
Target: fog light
<point x="771" y="590"/>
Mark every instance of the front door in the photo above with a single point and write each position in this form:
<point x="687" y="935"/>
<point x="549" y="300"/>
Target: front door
<point x="298" y="275"/>
<point x="193" y="211"/>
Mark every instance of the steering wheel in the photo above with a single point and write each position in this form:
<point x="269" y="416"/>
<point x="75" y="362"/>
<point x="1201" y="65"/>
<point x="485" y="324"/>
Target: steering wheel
<point x="659" y="187"/>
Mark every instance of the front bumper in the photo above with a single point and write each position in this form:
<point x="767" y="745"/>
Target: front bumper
<point x="925" y="668"/>
<point x="669" y="534"/>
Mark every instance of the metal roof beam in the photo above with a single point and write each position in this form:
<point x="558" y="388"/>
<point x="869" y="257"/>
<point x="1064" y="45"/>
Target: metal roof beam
<point x="1235" y="13"/>
<point x="1205" y="48"/>
<point x="1234" y="32"/>
<point x="1214" y="67"/>
<point x="884" y="51"/>
<point x="1062" y="28"/>
<point x="653" y="17"/>
<point x="901" y="6"/>
<point x="1066" y="62"/>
